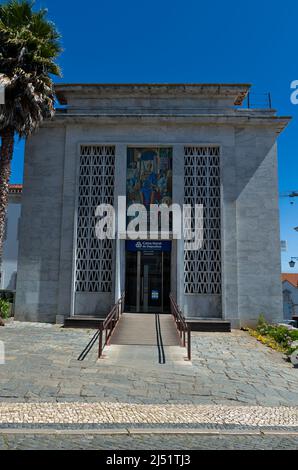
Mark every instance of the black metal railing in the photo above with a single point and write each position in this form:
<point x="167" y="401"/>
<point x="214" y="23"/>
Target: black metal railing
<point x="109" y="324"/>
<point x="258" y="100"/>
<point x="183" y="328"/>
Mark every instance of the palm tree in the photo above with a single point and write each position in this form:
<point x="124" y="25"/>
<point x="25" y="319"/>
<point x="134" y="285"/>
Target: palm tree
<point x="29" y="45"/>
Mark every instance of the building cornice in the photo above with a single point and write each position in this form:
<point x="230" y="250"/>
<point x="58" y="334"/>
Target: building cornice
<point x="237" y="91"/>
<point x="276" y="122"/>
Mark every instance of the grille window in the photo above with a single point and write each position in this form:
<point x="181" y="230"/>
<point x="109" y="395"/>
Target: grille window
<point x="202" y="268"/>
<point x="94" y="258"/>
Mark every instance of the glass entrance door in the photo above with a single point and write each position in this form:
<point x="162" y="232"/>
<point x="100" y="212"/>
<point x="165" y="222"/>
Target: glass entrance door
<point x="148" y="281"/>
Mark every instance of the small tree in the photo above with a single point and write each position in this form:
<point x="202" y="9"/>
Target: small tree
<point x="29" y="45"/>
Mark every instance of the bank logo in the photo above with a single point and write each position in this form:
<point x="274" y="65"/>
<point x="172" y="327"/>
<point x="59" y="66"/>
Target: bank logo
<point x="2" y="94"/>
<point x="139" y="245"/>
<point x="2" y="353"/>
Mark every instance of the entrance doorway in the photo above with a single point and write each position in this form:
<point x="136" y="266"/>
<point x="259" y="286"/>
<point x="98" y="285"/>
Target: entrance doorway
<point x="148" y="281"/>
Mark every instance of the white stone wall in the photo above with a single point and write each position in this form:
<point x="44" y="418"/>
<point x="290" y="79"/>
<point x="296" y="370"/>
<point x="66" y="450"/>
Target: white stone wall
<point x="11" y="244"/>
<point x="40" y="227"/>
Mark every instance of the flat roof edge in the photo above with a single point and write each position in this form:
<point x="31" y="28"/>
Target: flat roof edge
<point x="238" y="89"/>
<point x="153" y="84"/>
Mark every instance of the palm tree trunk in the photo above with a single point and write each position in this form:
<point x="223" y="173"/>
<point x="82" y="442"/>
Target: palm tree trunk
<point x="6" y="152"/>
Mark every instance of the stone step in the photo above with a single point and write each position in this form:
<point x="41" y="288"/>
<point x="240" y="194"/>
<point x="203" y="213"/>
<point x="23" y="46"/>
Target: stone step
<point x="209" y="325"/>
<point x="196" y="324"/>
<point x="83" y="321"/>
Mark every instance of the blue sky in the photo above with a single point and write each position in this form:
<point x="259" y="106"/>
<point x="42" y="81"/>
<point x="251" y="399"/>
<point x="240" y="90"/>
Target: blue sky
<point x="188" y="41"/>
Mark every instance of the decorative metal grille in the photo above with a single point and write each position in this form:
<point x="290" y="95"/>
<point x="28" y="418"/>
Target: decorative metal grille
<point x="202" y="268"/>
<point x="94" y="257"/>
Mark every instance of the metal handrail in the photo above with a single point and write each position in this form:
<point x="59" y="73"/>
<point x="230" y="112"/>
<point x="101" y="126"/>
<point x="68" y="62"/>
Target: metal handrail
<point x="259" y="100"/>
<point x="108" y="326"/>
<point x="183" y="328"/>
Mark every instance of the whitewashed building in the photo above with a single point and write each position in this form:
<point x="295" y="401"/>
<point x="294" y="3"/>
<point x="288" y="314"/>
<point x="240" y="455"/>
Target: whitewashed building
<point x="290" y="295"/>
<point x="9" y="263"/>
<point x="182" y="144"/>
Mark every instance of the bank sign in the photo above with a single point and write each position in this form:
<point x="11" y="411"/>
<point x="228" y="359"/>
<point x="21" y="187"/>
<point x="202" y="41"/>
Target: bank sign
<point x="148" y="245"/>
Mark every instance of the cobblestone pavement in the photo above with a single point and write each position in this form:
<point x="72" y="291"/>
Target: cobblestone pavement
<point x="146" y="442"/>
<point x="122" y="415"/>
<point x="226" y="369"/>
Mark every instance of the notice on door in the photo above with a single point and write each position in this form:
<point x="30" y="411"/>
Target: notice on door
<point x="154" y="295"/>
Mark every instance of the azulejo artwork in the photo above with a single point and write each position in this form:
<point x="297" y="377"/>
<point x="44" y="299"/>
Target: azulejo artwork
<point x="149" y="176"/>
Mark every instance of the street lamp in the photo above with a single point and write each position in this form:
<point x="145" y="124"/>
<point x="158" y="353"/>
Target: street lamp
<point x="292" y="263"/>
<point x="296" y="228"/>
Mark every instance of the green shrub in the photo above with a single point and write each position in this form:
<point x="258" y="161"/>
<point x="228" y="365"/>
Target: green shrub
<point x="280" y="335"/>
<point x="261" y="321"/>
<point x="4" y="309"/>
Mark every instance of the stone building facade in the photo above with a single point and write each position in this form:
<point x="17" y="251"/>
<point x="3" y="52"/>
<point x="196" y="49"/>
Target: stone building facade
<point x="183" y="144"/>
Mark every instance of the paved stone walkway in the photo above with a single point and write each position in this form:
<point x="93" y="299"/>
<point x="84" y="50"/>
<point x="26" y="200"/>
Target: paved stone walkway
<point x="121" y="415"/>
<point x="226" y="369"/>
<point x="233" y="385"/>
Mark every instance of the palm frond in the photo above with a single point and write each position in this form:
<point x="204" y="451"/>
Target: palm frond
<point x="29" y="46"/>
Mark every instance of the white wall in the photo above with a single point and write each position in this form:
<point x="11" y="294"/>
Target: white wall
<point x="290" y="300"/>
<point x="11" y="245"/>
